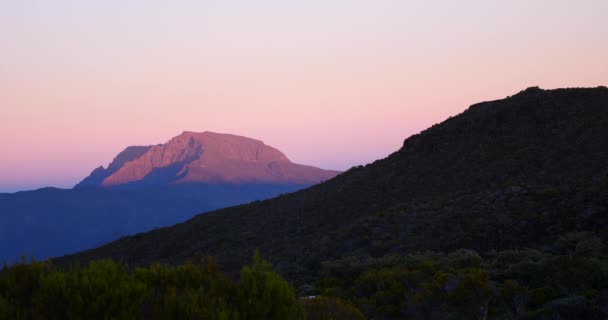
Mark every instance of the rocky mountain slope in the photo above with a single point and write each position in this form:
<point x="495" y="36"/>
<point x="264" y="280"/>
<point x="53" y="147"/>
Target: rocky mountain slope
<point x="204" y="158"/>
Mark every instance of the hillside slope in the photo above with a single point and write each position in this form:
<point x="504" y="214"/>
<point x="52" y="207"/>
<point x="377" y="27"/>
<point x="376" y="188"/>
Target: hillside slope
<point x="514" y="173"/>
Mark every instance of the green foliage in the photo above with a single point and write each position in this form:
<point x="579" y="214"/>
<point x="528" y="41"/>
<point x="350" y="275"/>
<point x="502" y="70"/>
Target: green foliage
<point x="330" y="308"/>
<point x="8" y="310"/>
<point x="569" y="307"/>
<point x="464" y="258"/>
<point x="471" y="293"/>
<point x="548" y="194"/>
<point x="540" y="296"/>
<point x="109" y="290"/>
<point x="189" y="291"/>
<point x="575" y="273"/>
<point x="102" y="290"/>
<point x="265" y="295"/>
<point x="514" y="298"/>
<point x="511" y="284"/>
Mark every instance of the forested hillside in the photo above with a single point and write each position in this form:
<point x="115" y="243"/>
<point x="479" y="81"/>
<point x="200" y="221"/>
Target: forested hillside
<point x="508" y="200"/>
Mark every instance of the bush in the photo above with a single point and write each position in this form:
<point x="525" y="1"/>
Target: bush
<point x="571" y="307"/>
<point x="540" y="296"/>
<point x="464" y="258"/>
<point x="109" y="290"/>
<point x="548" y="194"/>
<point x="330" y="308"/>
<point x="265" y="295"/>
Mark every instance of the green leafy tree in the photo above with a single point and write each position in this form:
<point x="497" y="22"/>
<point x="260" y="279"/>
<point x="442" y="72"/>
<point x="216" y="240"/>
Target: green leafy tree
<point x="330" y="308"/>
<point x="471" y="293"/>
<point x="514" y="297"/>
<point x="263" y="294"/>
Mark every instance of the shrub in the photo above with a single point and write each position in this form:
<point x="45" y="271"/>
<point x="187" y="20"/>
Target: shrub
<point x="330" y="308"/>
<point x="265" y="295"/>
<point x="109" y="290"/>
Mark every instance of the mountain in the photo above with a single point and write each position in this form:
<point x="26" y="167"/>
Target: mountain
<point x="98" y="175"/>
<point x="204" y="158"/>
<point x="147" y="187"/>
<point x="527" y="171"/>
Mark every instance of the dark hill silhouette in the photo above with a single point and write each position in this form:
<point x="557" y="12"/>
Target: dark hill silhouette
<point x="514" y="173"/>
<point x="148" y="187"/>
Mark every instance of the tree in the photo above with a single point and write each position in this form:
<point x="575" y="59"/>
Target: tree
<point x="330" y="308"/>
<point x="514" y="297"/>
<point x="263" y="294"/>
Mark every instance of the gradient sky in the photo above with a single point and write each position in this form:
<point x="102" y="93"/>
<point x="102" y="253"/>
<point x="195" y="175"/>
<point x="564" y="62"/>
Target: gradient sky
<point x="330" y="83"/>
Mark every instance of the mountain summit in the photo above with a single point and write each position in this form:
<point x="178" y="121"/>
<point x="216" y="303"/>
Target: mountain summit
<point x="205" y="157"/>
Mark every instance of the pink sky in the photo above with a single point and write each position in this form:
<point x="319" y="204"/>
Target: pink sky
<point x="330" y="83"/>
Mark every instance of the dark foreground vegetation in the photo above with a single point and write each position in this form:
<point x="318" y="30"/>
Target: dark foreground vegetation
<point x="512" y="284"/>
<point x="108" y="290"/>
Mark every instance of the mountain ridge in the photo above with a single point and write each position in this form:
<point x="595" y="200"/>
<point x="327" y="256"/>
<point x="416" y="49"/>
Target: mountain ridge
<point x="205" y="157"/>
<point x="100" y="173"/>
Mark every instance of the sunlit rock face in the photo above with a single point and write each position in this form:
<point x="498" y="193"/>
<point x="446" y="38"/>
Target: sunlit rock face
<point x="205" y="157"/>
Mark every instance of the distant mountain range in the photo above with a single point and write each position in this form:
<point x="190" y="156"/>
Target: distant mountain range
<point x="147" y="187"/>
<point x="527" y="171"/>
<point x="204" y="158"/>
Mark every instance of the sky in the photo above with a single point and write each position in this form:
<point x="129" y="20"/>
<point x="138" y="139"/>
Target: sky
<point x="330" y="83"/>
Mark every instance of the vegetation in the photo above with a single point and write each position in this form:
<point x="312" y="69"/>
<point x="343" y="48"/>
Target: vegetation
<point x="108" y="290"/>
<point x="330" y="308"/>
<point x="512" y="284"/>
